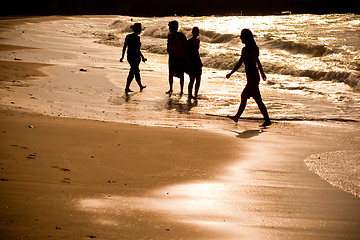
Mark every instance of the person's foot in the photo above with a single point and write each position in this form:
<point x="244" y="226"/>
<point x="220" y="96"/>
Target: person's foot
<point x="234" y="118"/>
<point x="266" y="123"/>
<point x="142" y="87"/>
<point x="128" y="90"/>
<point x="169" y="92"/>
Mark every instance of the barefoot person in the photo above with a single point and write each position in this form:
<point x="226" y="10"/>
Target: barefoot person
<point x="250" y="57"/>
<point x="176" y="47"/>
<point x="195" y="65"/>
<point x="134" y="56"/>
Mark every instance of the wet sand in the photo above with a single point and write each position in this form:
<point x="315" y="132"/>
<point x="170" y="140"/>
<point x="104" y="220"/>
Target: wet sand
<point x="80" y="179"/>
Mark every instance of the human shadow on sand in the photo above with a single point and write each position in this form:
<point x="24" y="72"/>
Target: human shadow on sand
<point x="248" y="133"/>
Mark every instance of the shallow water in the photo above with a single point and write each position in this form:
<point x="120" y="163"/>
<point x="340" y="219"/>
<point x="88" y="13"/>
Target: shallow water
<point x="312" y="62"/>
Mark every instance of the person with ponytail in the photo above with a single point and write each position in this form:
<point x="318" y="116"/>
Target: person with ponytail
<point x="134" y="56"/>
<point x="250" y="57"/>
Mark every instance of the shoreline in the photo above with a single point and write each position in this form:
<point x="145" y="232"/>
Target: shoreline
<point x="75" y="178"/>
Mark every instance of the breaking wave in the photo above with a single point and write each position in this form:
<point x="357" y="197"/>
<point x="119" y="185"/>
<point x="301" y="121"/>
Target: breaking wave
<point x="157" y="32"/>
<point x="299" y="48"/>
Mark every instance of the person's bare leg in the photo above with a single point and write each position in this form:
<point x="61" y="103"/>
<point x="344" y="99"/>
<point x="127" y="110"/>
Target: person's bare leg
<point x="181" y="85"/>
<point x="240" y="110"/>
<point x="264" y="112"/>
<point x="190" y="87"/>
<point x="197" y="85"/>
<point x="129" y="80"/>
<point x="138" y="80"/>
<point x="171" y="80"/>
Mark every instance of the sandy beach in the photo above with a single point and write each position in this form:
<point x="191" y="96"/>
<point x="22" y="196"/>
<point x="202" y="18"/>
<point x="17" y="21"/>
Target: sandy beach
<point x="69" y="172"/>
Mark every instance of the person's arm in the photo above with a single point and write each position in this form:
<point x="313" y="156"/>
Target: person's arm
<point x="167" y="44"/>
<point x="139" y="51"/>
<point x="237" y="66"/>
<point x="185" y="47"/>
<point x="124" y="50"/>
<point x="261" y="69"/>
<point x="142" y="56"/>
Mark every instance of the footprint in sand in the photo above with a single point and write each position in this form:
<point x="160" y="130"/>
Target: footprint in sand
<point x="66" y="180"/>
<point x="62" y="169"/>
<point x="31" y="156"/>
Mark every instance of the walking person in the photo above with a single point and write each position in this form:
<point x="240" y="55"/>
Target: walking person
<point x="250" y="57"/>
<point x="134" y="56"/>
<point x="177" y="49"/>
<point x="194" y="64"/>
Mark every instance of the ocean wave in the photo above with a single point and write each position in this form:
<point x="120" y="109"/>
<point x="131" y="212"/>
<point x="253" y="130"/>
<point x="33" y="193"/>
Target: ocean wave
<point x="205" y="35"/>
<point x="314" y="50"/>
<point x="121" y="26"/>
<point x="223" y="61"/>
<point x="226" y="61"/>
<point x="157" y="31"/>
<point x="349" y="77"/>
<point x="110" y="39"/>
<point x="214" y="37"/>
<point x="155" y="48"/>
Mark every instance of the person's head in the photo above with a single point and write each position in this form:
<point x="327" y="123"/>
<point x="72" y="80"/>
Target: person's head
<point x="247" y="37"/>
<point x="173" y="26"/>
<point x="136" y="28"/>
<point x="195" y="31"/>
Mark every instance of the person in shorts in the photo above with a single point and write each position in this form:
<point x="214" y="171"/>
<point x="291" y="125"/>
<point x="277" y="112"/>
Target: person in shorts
<point x="177" y="49"/>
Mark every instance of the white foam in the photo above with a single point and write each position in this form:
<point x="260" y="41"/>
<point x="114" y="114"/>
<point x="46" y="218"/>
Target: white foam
<point x="340" y="169"/>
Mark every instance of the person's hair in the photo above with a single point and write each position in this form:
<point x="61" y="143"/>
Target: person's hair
<point x="174" y="25"/>
<point x="136" y="27"/>
<point x="248" y="37"/>
<point x="195" y="29"/>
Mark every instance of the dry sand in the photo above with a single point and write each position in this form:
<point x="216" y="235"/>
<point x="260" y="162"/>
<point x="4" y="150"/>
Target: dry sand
<point x="79" y="179"/>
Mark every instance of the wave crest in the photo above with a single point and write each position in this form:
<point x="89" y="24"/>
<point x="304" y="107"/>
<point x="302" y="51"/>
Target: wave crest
<point x="297" y="47"/>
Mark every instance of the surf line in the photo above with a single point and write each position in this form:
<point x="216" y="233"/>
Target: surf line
<point x="285" y="119"/>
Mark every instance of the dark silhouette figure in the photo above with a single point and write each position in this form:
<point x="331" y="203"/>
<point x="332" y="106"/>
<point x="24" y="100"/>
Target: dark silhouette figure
<point x="177" y="49"/>
<point x="194" y="63"/>
<point x="134" y="56"/>
<point x="250" y="57"/>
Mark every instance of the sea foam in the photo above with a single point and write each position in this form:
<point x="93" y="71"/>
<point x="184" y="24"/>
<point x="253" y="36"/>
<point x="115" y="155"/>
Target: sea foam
<point x="340" y="169"/>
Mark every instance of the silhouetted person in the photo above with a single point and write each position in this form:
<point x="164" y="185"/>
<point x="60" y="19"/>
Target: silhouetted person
<point x="134" y="56"/>
<point x="176" y="47"/>
<point x="250" y="57"/>
<point x="194" y="63"/>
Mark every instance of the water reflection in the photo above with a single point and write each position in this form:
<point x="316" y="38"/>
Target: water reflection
<point x="208" y="205"/>
<point x="181" y="106"/>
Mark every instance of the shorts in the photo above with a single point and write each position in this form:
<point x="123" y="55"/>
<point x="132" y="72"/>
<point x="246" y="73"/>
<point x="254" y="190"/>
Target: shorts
<point x="251" y="91"/>
<point x="176" y="67"/>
